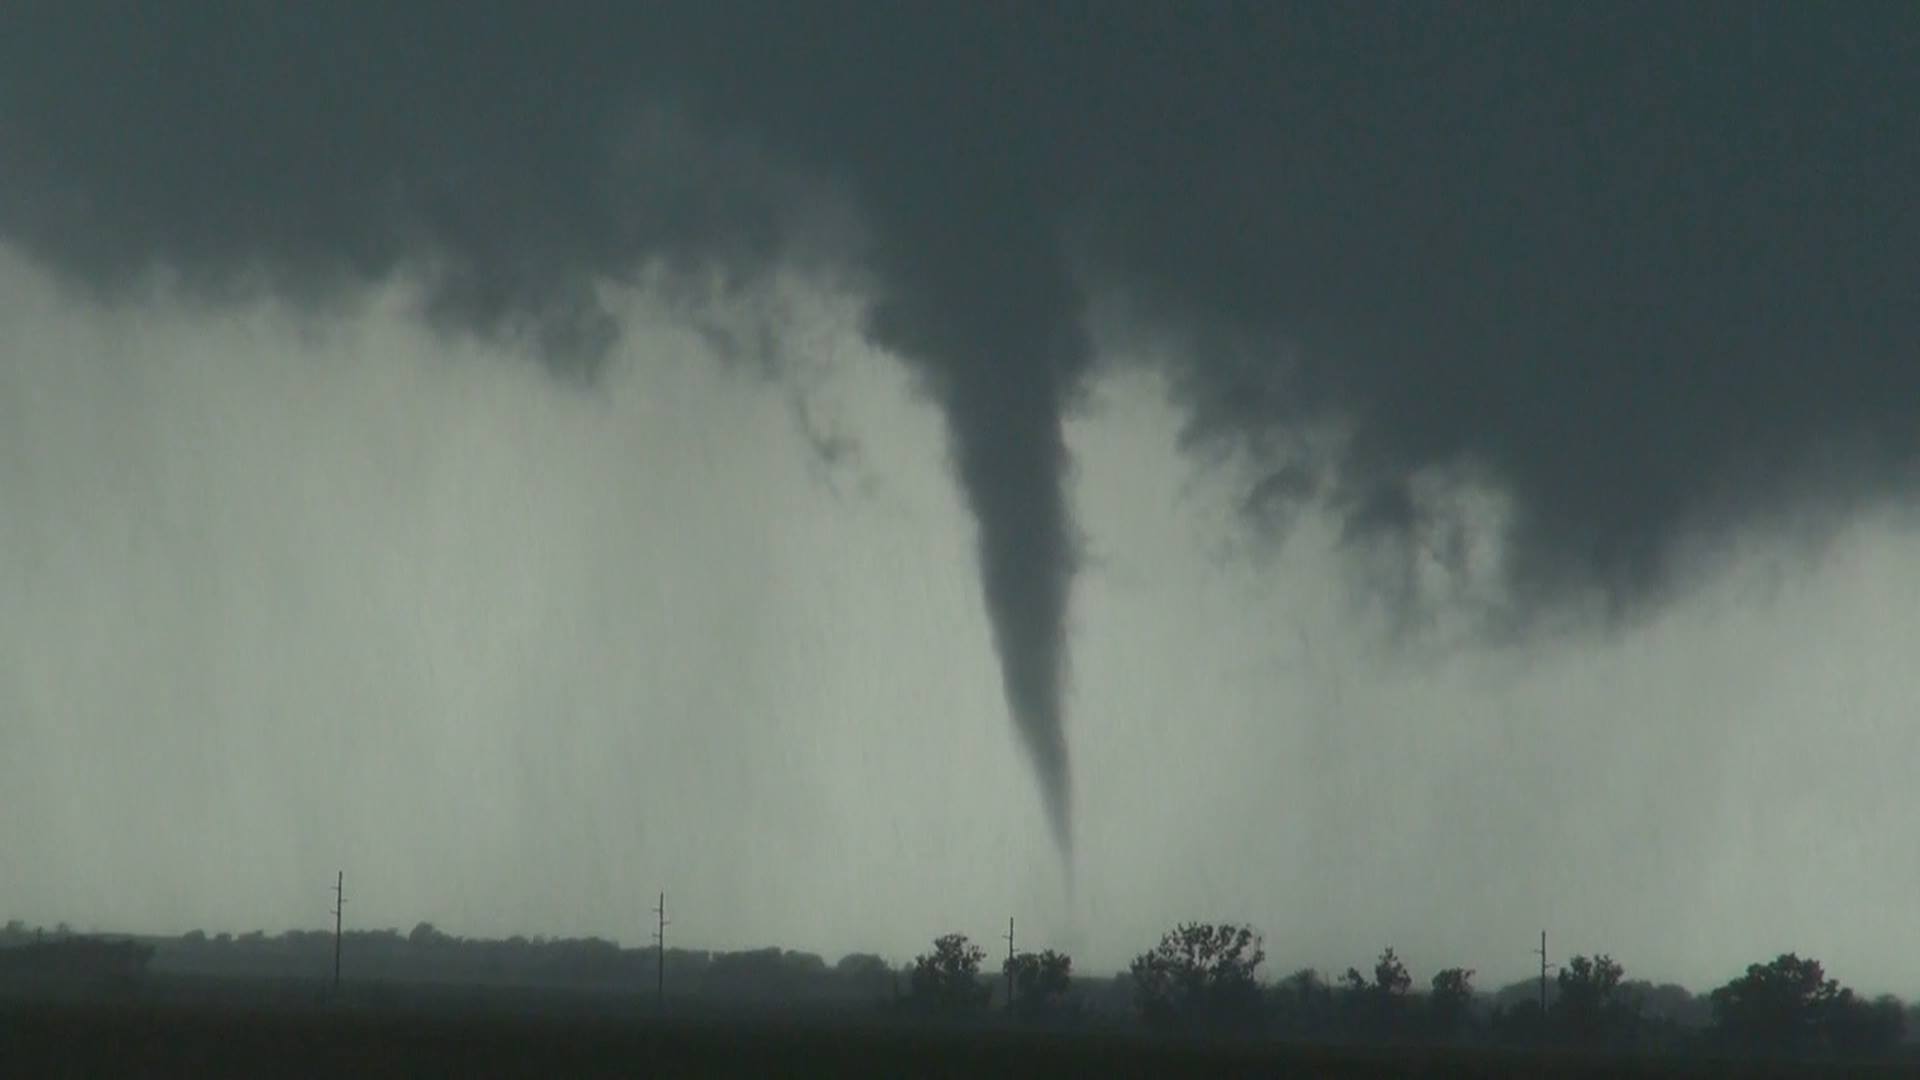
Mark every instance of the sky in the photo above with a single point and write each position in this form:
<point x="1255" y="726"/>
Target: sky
<point x="1409" y="475"/>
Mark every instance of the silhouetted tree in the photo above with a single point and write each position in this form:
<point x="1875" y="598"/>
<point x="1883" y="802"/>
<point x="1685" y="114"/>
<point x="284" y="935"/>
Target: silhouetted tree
<point x="1200" y="973"/>
<point x="948" y="978"/>
<point x="1040" y="982"/>
<point x="761" y="973"/>
<point x="97" y="964"/>
<point x="1670" y="1002"/>
<point x="1591" y="1006"/>
<point x="1390" y="975"/>
<point x="1303" y="1003"/>
<point x="1865" y="1029"/>
<point x="1670" y="1017"/>
<point x="1777" y="1006"/>
<point x="1376" y="1005"/>
<point x="1790" y="1006"/>
<point x="1450" y="1001"/>
<point x="864" y="975"/>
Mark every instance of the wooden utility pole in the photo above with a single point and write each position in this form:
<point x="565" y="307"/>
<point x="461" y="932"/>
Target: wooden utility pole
<point x="660" y="953"/>
<point x="339" y="904"/>
<point x="1010" y="955"/>
<point x="1542" y="953"/>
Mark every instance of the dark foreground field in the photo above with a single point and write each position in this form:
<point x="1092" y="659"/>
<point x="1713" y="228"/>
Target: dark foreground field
<point x="227" y="1038"/>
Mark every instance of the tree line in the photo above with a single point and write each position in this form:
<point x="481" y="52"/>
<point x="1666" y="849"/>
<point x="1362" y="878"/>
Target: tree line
<point x="1205" y="977"/>
<point x="1199" y="977"/>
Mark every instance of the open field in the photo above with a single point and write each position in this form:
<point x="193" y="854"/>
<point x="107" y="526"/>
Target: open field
<point x="446" y="1035"/>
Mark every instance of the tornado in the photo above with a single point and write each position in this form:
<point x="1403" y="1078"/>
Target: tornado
<point x="1010" y="459"/>
<point x="996" y="331"/>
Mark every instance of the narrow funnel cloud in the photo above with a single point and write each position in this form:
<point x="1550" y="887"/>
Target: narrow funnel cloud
<point x="1004" y="373"/>
<point x="1010" y="457"/>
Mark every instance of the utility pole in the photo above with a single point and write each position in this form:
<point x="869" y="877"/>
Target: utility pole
<point x="1541" y="952"/>
<point x="660" y="953"/>
<point x="1010" y="955"/>
<point x="339" y="904"/>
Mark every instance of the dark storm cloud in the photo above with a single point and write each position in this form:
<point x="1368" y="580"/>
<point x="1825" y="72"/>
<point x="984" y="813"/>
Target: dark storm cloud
<point x="311" y="148"/>
<point x="1651" y="269"/>
<point x="1643" y="266"/>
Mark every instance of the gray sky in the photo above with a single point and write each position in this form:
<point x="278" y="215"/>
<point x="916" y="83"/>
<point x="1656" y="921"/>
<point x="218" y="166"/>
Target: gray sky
<point x="1426" y="488"/>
